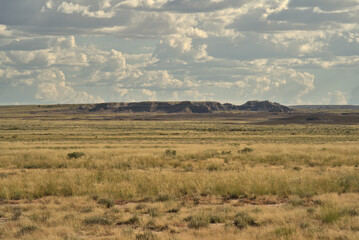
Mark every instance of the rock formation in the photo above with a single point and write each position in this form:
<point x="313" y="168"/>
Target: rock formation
<point x="185" y="107"/>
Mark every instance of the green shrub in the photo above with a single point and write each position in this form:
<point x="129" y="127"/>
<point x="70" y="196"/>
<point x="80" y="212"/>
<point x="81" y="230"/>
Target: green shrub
<point x="283" y="232"/>
<point x="27" y="229"/>
<point x="75" y="155"/>
<point x="198" y="221"/>
<point x="135" y="220"/>
<point x="170" y="152"/>
<point x="243" y="219"/>
<point x="140" y="206"/>
<point x="245" y="150"/>
<point x="16" y="214"/>
<point x="97" y="220"/>
<point x="213" y="167"/>
<point x="163" y="198"/>
<point x="216" y="218"/>
<point x="329" y="214"/>
<point x="226" y="152"/>
<point x="40" y="217"/>
<point x="146" y="236"/>
<point x="153" y="212"/>
<point x="107" y="202"/>
<point x="173" y="210"/>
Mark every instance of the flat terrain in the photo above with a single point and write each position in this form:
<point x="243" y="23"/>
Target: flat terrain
<point x="65" y="174"/>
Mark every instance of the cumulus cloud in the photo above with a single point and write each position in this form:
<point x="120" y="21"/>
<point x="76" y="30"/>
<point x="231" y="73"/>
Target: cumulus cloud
<point x="4" y="32"/>
<point x="180" y="50"/>
<point x="190" y="6"/>
<point x="70" y="8"/>
<point x="199" y="49"/>
<point x="337" y="98"/>
<point x="326" y="5"/>
<point x="149" y="95"/>
<point x="60" y="92"/>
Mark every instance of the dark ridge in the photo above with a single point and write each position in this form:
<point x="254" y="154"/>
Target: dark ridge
<point x="263" y="106"/>
<point x="185" y="107"/>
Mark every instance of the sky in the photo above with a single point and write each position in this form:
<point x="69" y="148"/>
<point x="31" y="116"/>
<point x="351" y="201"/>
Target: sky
<point x="92" y="51"/>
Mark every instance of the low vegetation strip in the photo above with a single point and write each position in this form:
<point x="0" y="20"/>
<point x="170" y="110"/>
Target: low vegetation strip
<point x="137" y="184"/>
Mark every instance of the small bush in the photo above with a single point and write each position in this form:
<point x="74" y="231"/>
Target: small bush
<point x="351" y="212"/>
<point x="97" y="220"/>
<point x="27" y="229"/>
<point x="329" y="214"/>
<point x="135" y="220"/>
<point x="40" y="217"/>
<point x="311" y="210"/>
<point x="153" y="212"/>
<point x="304" y="225"/>
<point x="198" y="221"/>
<point x="86" y="209"/>
<point x="146" y="236"/>
<point x="284" y="232"/>
<point x="174" y="210"/>
<point x="243" y="219"/>
<point x="216" y="218"/>
<point x="140" y="206"/>
<point x="213" y="167"/>
<point x="16" y="214"/>
<point x="226" y="152"/>
<point x="170" y="153"/>
<point x="245" y="150"/>
<point x="107" y="202"/>
<point x="163" y="198"/>
<point x="297" y="202"/>
<point x="75" y="155"/>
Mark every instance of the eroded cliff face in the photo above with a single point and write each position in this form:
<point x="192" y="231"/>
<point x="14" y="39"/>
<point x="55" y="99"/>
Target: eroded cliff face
<point x="263" y="106"/>
<point x="185" y="107"/>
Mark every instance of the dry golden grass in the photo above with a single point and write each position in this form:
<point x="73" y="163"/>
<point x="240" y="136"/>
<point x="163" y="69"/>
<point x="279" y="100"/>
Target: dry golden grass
<point x="177" y="180"/>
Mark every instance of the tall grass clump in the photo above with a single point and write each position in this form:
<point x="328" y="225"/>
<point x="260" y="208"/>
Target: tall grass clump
<point x="97" y="220"/>
<point x="330" y="213"/>
<point x="198" y="220"/>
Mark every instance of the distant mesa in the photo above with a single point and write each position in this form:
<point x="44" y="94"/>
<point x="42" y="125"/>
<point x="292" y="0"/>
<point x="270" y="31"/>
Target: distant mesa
<point x="185" y="107"/>
<point x="264" y="106"/>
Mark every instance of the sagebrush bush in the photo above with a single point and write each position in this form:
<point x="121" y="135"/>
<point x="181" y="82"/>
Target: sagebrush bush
<point x="146" y="236"/>
<point x="170" y="153"/>
<point x="198" y="221"/>
<point x="107" y="202"/>
<point x="243" y="219"/>
<point x="75" y="155"/>
<point x="284" y="232"/>
<point x="97" y="220"/>
<point x="27" y="229"/>
<point x="213" y="167"/>
<point x="329" y="214"/>
<point x="245" y="150"/>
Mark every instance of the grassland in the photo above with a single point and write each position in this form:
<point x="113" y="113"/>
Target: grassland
<point x="72" y="176"/>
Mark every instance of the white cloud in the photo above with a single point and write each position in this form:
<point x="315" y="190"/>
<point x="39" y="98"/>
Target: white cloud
<point x="4" y="32"/>
<point x="61" y="92"/>
<point x="122" y="92"/>
<point x="177" y="48"/>
<point x="71" y="8"/>
<point x="149" y="95"/>
<point x="336" y="97"/>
